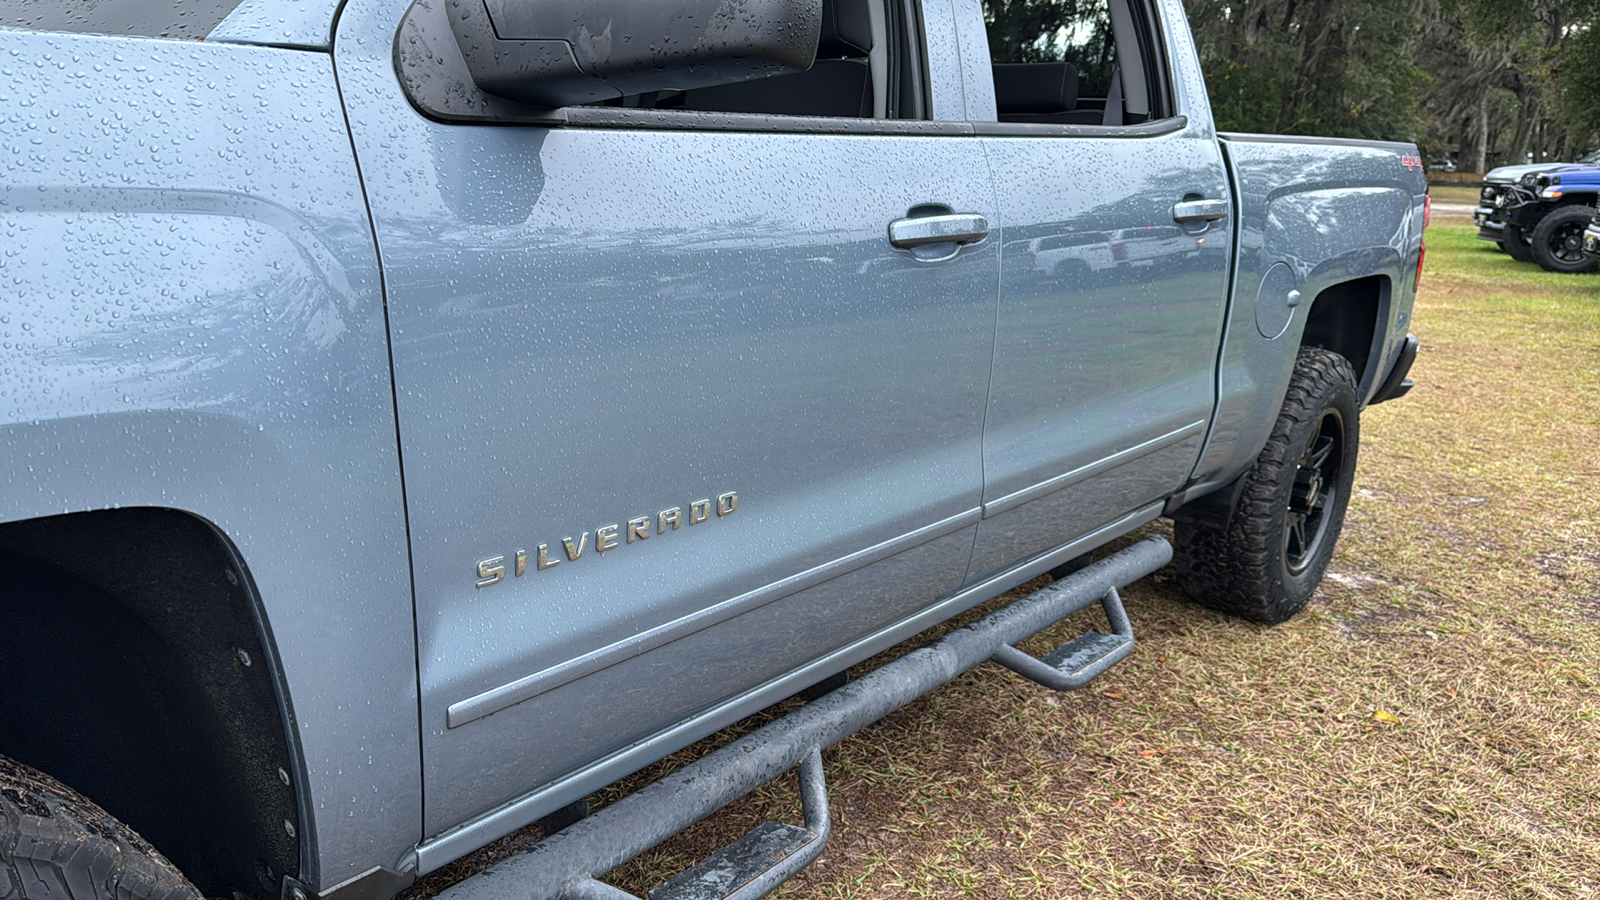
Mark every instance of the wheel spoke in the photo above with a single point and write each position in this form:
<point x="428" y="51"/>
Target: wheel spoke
<point x="1318" y="455"/>
<point x="1297" y="535"/>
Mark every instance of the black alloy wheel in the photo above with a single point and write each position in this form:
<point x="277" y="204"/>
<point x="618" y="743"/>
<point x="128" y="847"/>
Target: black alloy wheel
<point x="1315" y="493"/>
<point x="1558" y="241"/>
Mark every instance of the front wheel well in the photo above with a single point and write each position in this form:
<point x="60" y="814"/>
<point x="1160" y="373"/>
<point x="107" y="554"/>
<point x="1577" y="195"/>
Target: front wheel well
<point x="137" y="671"/>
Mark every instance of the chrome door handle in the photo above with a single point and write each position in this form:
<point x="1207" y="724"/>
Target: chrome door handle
<point x="962" y="228"/>
<point x="1199" y="210"/>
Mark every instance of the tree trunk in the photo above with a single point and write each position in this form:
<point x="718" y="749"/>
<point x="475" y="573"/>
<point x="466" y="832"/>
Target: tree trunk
<point x="1480" y="135"/>
<point x="1526" y="112"/>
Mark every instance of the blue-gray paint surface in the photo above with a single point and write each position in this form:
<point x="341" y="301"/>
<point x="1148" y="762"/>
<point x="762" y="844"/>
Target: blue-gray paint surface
<point x="192" y="319"/>
<point x="1328" y="213"/>
<point x="301" y="24"/>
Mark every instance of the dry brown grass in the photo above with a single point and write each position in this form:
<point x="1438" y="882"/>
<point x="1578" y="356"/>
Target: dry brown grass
<point x="1428" y="727"/>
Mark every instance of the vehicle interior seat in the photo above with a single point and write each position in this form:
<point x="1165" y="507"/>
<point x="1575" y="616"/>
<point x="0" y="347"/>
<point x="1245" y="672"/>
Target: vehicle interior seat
<point x="839" y="83"/>
<point x="1045" y="93"/>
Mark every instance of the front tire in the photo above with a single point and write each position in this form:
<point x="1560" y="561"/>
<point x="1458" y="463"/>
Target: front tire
<point x="1269" y="560"/>
<point x="1558" y="241"/>
<point x="56" y="844"/>
<point x="1516" y="243"/>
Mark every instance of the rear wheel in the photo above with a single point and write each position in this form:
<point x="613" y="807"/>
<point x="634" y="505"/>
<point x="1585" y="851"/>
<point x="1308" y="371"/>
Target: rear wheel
<point x="1270" y="558"/>
<point x="1558" y="240"/>
<point x="1516" y="243"/>
<point x="55" y="844"/>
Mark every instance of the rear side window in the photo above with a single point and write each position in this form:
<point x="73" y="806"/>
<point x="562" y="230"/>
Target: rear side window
<point x="1076" y="62"/>
<point x="178" y="19"/>
<point x="1070" y="31"/>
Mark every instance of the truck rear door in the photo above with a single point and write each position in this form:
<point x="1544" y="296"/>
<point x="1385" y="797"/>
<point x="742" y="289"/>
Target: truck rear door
<point x="677" y="418"/>
<point x="1115" y="205"/>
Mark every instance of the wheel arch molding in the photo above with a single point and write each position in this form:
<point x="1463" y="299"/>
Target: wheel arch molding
<point x="140" y="671"/>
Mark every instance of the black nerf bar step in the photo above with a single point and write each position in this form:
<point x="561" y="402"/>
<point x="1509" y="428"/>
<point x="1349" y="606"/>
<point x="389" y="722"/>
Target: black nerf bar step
<point x="1081" y="659"/>
<point x="564" y="865"/>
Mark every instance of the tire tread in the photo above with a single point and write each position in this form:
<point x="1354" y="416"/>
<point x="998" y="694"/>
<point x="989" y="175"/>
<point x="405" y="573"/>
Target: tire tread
<point x="56" y="844"/>
<point x="1234" y="570"/>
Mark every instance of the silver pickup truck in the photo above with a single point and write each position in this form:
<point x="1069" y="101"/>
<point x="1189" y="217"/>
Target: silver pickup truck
<point x="419" y="414"/>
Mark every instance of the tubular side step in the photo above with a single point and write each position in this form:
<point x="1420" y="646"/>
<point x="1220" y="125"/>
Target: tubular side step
<point x="769" y="855"/>
<point x="1083" y="658"/>
<point x="564" y="865"/>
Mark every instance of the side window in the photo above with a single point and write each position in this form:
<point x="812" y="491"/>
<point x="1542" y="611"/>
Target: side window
<point x="178" y="19"/>
<point x="1074" y="62"/>
<point x="866" y="67"/>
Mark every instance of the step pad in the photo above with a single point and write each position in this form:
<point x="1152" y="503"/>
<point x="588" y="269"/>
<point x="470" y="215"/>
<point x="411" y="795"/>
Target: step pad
<point x="736" y="865"/>
<point x="1084" y="650"/>
<point x="1083" y="658"/>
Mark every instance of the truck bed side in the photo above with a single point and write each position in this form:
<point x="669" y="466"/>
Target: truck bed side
<point x="1330" y="232"/>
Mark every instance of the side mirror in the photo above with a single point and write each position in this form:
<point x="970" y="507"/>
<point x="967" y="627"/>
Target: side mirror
<point x="554" y="53"/>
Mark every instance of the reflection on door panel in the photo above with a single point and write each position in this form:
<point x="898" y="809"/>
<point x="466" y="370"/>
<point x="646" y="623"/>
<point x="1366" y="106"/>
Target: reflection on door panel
<point x="1110" y="311"/>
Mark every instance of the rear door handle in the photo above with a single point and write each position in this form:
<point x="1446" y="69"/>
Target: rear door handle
<point x="1199" y="210"/>
<point x="962" y="228"/>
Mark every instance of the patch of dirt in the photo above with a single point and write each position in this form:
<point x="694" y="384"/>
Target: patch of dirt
<point x="1354" y="580"/>
<point x="1385" y="622"/>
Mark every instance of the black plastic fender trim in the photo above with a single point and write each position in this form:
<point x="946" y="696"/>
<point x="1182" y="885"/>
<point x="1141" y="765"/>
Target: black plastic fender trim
<point x="1397" y="384"/>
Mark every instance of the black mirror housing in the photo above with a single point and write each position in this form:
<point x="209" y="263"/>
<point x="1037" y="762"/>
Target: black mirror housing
<point x="554" y="53"/>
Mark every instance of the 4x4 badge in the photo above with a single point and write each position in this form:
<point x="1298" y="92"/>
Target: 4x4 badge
<point x="606" y="538"/>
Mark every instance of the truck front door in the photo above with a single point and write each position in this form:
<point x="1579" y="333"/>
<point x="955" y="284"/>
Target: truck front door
<point x="677" y="419"/>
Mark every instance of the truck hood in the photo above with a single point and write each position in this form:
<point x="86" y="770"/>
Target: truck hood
<point x="1513" y="173"/>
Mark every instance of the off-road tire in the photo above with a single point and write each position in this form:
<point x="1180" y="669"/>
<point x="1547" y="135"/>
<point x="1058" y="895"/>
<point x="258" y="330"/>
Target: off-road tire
<point x="1558" y="241"/>
<point x="56" y="844"/>
<point x="1516" y="244"/>
<point x="1262" y="566"/>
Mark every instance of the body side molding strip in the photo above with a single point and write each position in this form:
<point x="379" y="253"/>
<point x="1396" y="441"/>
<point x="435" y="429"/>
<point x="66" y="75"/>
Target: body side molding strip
<point x="1017" y="498"/>
<point x="530" y="686"/>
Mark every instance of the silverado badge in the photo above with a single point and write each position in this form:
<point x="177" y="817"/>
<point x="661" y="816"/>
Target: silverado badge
<point x="606" y="538"/>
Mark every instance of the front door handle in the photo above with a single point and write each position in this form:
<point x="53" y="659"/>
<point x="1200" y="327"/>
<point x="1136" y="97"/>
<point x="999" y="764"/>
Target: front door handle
<point x="1199" y="210"/>
<point x="962" y="228"/>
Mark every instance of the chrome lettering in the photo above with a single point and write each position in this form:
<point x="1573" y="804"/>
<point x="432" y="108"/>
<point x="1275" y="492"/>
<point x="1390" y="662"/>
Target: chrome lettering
<point x="490" y="571"/>
<point x="574" y="552"/>
<point x="699" y="511"/>
<point x="545" y="562"/>
<point x="608" y="537"/>
<point x="638" y="528"/>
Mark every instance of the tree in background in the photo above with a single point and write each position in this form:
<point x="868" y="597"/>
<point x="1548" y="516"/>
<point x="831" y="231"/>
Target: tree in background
<point x="1490" y="80"/>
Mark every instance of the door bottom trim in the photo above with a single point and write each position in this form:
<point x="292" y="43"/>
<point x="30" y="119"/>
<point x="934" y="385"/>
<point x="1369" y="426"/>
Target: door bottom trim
<point x="530" y="686"/>
<point x="1083" y="473"/>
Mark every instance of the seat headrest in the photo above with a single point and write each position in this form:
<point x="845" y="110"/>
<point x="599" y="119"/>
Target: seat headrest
<point x="846" y="29"/>
<point x="1048" y="87"/>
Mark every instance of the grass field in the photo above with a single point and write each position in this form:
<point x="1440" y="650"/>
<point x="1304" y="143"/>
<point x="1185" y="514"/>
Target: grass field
<point x="1428" y="727"/>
